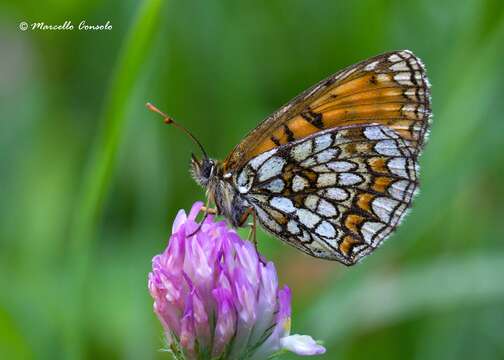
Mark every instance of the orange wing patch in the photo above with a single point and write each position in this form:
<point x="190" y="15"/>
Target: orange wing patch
<point x="391" y="89"/>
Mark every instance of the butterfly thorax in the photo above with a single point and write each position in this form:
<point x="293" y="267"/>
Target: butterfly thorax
<point x="220" y="190"/>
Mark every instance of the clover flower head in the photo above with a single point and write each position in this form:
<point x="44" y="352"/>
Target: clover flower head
<point x="216" y="298"/>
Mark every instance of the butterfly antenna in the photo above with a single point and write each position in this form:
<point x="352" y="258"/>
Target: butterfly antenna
<point x="169" y="120"/>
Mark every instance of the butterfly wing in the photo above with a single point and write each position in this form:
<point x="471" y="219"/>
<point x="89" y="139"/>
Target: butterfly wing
<point x="336" y="194"/>
<point x="390" y="89"/>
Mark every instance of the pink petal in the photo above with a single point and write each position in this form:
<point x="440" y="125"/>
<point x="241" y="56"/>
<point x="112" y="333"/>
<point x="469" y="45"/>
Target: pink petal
<point x="179" y="220"/>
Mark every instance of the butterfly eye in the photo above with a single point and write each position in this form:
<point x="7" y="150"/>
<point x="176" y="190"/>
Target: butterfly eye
<point x="207" y="168"/>
<point x="202" y="170"/>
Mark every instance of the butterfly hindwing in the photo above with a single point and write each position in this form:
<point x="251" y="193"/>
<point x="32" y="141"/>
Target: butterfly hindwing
<point x="336" y="194"/>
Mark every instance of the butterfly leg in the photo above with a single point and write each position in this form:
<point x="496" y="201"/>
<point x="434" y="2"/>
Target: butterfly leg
<point x="207" y="210"/>
<point x="253" y="228"/>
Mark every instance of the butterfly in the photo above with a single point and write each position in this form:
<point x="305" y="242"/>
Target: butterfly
<point x="334" y="171"/>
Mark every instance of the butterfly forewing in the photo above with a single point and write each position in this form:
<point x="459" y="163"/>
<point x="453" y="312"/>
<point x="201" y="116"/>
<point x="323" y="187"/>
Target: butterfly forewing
<point x="390" y="89"/>
<point x="336" y="194"/>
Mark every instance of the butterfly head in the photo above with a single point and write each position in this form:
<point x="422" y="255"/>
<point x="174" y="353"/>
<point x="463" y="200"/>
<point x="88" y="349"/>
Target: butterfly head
<point x="220" y="191"/>
<point x="202" y="170"/>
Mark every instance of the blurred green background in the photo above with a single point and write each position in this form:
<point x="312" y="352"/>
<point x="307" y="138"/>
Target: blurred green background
<point x="90" y="181"/>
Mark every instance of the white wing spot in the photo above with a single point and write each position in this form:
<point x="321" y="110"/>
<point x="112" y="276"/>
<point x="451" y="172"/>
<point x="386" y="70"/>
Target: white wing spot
<point x="299" y="183"/>
<point x="275" y="186"/>
<point x="371" y="66"/>
<point x="349" y="179"/>
<point x="302" y="151"/>
<point x="400" y="66"/>
<point x="387" y="147"/>
<point x="311" y="202"/>
<point x="325" y="229"/>
<point x="394" y="58"/>
<point x="245" y="180"/>
<point x="307" y="218"/>
<point x="341" y="166"/>
<point x="403" y="78"/>
<point x="271" y="167"/>
<point x="283" y="204"/>
<point x="369" y="229"/>
<point x="383" y="207"/>
<point x="323" y="142"/>
<point x="397" y="190"/>
<point x="398" y="166"/>
<point x="414" y="64"/>
<point x="324" y="180"/>
<point x="335" y="193"/>
<point x="406" y="54"/>
<point x="259" y="159"/>
<point x="326" y="208"/>
<point x="374" y="133"/>
<point x="292" y="227"/>
<point x="326" y="155"/>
